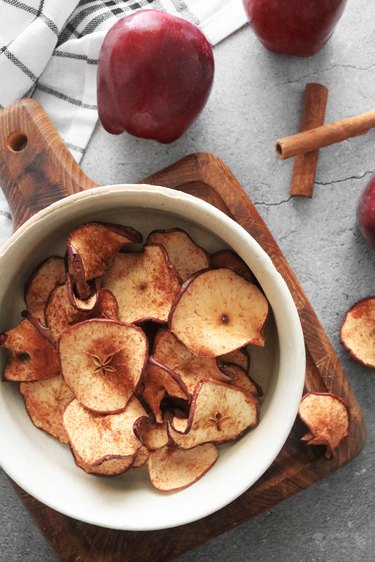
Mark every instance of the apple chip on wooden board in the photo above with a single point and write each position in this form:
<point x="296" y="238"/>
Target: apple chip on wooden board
<point x="358" y="331"/>
<point x="327" y="418"/>
<point x="89" y="377"/>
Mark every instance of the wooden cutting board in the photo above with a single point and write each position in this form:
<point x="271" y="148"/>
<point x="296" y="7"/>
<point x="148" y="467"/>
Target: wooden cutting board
<point x="37" y="169"/>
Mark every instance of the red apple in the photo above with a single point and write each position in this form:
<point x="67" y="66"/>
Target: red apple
<point x="294" y="27"/>
<point x="366" y="212"/>
<point x="155" y="74"/>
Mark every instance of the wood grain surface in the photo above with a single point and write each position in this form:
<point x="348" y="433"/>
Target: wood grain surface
<point x="52" y="173"/>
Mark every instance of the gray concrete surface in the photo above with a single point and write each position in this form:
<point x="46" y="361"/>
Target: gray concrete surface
<point x="256" y="98"/>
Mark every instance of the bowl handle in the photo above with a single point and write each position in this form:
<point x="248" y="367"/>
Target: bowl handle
<point x="36" y="167"/>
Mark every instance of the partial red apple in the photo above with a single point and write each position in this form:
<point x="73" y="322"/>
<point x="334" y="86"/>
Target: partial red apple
<point x="294" y="27"/>
<point x="366" y="212"/>
<point x="155" y="74"/>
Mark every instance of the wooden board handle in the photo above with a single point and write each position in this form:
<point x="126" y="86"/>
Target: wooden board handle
<point x="36" y="167"/>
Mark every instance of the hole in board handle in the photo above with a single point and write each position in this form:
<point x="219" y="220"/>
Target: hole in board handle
<point x="16" y="141"/>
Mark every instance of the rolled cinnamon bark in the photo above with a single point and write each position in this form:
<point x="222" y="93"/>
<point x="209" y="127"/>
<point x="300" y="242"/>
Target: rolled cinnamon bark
<point x="325" y="135"/>
<point x="312" y="115"/>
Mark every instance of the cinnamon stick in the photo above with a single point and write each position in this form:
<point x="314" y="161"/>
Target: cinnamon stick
<point x="325" y="135"/>
<point x="312" y="115"/>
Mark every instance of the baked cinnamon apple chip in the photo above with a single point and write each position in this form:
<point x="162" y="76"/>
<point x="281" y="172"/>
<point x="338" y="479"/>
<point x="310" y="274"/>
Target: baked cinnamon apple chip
<point x="144" y="283"/>
<point x="217" y="311"/>
<point x="102" y="362"/>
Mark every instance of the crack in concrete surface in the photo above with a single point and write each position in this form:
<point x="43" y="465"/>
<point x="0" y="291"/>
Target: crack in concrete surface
<point x="342" y="180"/>
<point x="272" y="204"/>
<point x="328" y="69"/>
<point x="332" y="182"/>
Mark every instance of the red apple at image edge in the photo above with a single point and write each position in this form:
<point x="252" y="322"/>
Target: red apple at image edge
<point x="366" y="212"/>
<point x="294" y="27"/>
<point x="155" y="73"/>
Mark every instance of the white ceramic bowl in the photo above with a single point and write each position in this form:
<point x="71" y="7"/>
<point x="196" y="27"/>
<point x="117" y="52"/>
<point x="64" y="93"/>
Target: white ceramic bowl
<point x="44" y="467"/>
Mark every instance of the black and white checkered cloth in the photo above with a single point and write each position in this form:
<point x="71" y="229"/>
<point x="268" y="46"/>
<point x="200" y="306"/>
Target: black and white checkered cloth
<point x="49" y="50"/>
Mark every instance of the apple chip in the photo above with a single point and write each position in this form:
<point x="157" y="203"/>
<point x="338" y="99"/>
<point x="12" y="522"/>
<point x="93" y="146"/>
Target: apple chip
<point x="140" y="457"/>
<point x="45" y="403"/>
<point x="183" y="253"/>
<point x="172" y="469"/>
<point x="240" y="379"/>
<point x="358" y="331"/>
<point x="327" y="418"/>
<point x="159" y="383"/>
<point x="48" y="275"/>
<point x="102" y="361"/>
<point x="32" y="356"/>
<point x="96" y="245"/>
<point x="59" y="313"/>
<point x="238" y="357"/>
<point x="218" y="311"/>
<point x="180" y="424"/>
<point x="170" y="353"/>
<point x="64" y="309"/>
<point x="111" y="467"/>
<point x="231" y="260"/>
<point x="218" y="413"/>
<point x="144" y="284"/>
<point x="151" y="435"/>
<point x="96" y="438"/>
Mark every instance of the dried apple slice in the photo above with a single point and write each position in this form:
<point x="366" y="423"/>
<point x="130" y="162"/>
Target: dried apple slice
<point x="183" y="253"/>
<point x="32" y="356"/>
<point x="102" y="362"/>
<point x="140" y="457"/>
<point x="45" y="403"/>
<point x="240" y="379"/>
<point x="174" y="356"/>
<point x="180" y="424"/>
<point x="218" y="311"/>
<point x="111" y="467"/>
<point x="152" y="435"/>
<point x="48" y="275"/>
<point x="59" y="312"/>
<point x="106" y="306"/>
<point x="158" y="383"/>
<point x="358" y="331"/>
<point x="172" y="469"/>
<point x="238" y="357"/>
<point x="218" y="413"/>
<point x="92" y="248"/>
<point x="231" y="260"/>
<point x="144" y="284"/>
<point x="327" y="418"/>
<point x="96" y="438"/>
<point x="63" y="309"/>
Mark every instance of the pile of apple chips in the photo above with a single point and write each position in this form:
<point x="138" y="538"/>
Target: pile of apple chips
<point x="135" y="357"/>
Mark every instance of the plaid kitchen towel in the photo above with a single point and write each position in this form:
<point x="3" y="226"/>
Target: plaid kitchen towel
<point x="49" y="50"/>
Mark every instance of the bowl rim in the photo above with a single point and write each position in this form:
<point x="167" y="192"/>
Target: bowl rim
<point x="292" y="349"/>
